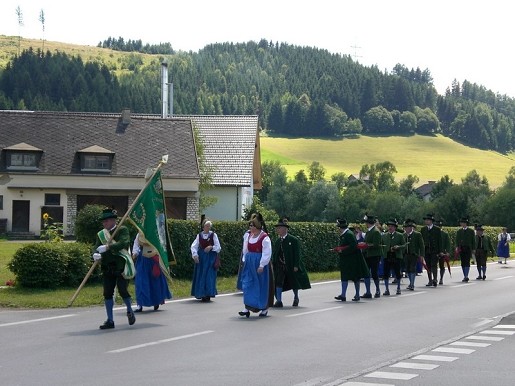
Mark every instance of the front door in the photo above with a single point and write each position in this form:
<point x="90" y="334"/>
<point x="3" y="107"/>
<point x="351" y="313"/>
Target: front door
<point x="21" y="214"/>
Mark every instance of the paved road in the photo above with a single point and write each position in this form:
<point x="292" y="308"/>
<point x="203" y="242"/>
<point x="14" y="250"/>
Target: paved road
<point x="322" y="342"/>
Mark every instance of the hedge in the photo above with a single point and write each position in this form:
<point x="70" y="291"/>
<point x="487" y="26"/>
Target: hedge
<point x="316" y="240"/>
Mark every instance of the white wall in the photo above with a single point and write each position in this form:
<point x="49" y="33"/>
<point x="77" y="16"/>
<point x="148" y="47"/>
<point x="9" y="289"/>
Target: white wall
<point x="230" y="203"/>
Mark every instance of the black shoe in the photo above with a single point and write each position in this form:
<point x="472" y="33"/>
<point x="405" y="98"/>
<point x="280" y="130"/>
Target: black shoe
<point x="340" y="297"/>
<point x="107" y="325"/>
<point x="386" y="293"/>
<point x="440" y="282"/>
<point x="411" y="288"/>
<point x="295" y="302"/>
<point x="131" y="318"/>
<point x="263" y="313"/>
<point x="244" y="313"/>
<point x="356" y="298"/>
<point x="367" y="296"/>
<point x="398" y="291"/>
<point x="377" y="294"/>
<point x="479" y="277"/>
<point x="394" y="281"/>
<point x="156" y="307"/>
<point x="435" y="283"/>
<point x="484" y="277"/>
<point x="430" y="284"/>
<point x="139" y="309"/>
<point x="279" y="304"/>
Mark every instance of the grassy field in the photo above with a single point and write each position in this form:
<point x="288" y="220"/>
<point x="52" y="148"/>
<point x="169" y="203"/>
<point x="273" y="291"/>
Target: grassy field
<point x="428" y="157"/>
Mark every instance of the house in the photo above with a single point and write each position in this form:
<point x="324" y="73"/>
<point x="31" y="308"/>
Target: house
<point x="57" y="162"/>
<point x="425" y="190"/>
<point x="357" y="178"/>
<point x="232" y="153"/>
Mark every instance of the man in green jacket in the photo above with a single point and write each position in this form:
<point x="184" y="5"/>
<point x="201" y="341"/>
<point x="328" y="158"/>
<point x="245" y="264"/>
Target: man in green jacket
<point x="289" y="270"/>
<point x="113" y="254"/>
<point x="372" y="253"/>
<point x="465" y="246"/>
<point x="483" y="248"/>
<point x="413" y="252"/>
<point x="394" y="244"/>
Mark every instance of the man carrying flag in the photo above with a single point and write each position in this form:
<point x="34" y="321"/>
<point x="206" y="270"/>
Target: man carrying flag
<point x="112" y="251"/>
<point x="152" y="245"/>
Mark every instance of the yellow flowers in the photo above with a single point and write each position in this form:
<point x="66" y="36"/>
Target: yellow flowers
<point x="46" y="216"/>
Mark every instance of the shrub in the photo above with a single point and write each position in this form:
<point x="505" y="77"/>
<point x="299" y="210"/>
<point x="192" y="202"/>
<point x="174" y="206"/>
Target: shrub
<point x="87" y="223"/>
<point x="49" y="265"/>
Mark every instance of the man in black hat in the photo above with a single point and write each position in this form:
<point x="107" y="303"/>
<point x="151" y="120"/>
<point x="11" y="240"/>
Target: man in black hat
<point x="413" y="252"/>
<point x="352" y="264"/>
<point x="113" y="255"/>
<point x="393" y="242"/>
<point x="288" y="267"/>
<point x="465" y="246"/>
<point x="483" y="247"/>
<point x="432" y="236"/>
<point x="373" y="252"/>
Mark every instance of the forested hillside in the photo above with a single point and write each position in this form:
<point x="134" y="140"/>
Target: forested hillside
<point x="296" y="91"/>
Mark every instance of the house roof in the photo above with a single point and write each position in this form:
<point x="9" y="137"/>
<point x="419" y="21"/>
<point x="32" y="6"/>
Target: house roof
<point x="136" y="145"/>
<point x="229" y="146"/>
<point x="425" y="189"/>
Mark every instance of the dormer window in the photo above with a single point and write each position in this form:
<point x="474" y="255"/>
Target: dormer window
<point x="96" y="159"/>
<point x="23" y="157"/>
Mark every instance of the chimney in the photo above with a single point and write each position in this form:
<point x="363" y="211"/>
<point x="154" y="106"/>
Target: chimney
<point x="164" y="89"/>
<point x="126" y="117"/>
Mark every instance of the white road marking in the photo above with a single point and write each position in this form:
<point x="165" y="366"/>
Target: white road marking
<point x="497" y="332"/>
<point x="502" y="278"/>
<point x="470" y="344"/>
<point x="314" y="312"/>
<point x="413" y="293"/>
<point x="415" y="366"/>
<point x="436" y="358"/>
<point x="505" y="326"/>
<point x="463" y="285"/>
<point x="454" y="350"/>
<point x="387" y="375"/>
<point x="365" y="384"/>
<point x="479" y="324"/>
<point x="36" y="320"/>
<point x="492" y="338"/>
<point x="160" y="342"/>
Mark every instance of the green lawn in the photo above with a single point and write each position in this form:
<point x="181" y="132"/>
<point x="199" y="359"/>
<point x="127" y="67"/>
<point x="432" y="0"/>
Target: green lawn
<point x="428" y="157"/>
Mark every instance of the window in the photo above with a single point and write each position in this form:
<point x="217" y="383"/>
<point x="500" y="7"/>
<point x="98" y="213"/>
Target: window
<point x="92" y="162"/>
<point x="25" y="160"/>
<point x="52" y="199"/>
<point x="1" y="202"/>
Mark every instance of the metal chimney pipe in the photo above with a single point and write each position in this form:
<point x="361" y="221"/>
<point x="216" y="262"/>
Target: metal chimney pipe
<point x="164" y="90"/>
<point x="171" y="98"/>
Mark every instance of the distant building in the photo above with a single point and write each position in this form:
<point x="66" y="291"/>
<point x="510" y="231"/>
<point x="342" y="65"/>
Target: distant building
<point x="356" y="178"/>
<point x="232" y="153"/>
<point x="424" y="190"/>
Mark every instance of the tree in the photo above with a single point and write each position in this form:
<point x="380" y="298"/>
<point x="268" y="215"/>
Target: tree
<point x="407" y="185"/>
<point x="377" y="120"/>
<point x="42" y="21"/>
<point x="441" y="187"/>
<point x="268" y="170"/>
<point x="340" y="179"/>
<point x="19" y="15"/>
<point x="407" y="122"/>
<point x="316" y="171"/>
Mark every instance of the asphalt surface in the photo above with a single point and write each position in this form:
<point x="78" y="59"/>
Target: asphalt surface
<point x="321" y="342"/>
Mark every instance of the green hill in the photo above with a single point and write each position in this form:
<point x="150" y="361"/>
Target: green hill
<point x="427" y="157"/>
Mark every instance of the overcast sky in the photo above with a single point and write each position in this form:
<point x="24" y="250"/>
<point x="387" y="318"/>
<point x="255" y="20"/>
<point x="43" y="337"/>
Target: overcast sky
<point x="470" y="40"/>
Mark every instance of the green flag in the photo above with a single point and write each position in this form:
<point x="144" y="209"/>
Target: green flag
<point x="148" y="214"/>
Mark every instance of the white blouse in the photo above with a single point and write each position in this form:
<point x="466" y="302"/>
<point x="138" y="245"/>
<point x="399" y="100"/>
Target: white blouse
<point x="266" y="254"/>
<point x="195" y="245"/>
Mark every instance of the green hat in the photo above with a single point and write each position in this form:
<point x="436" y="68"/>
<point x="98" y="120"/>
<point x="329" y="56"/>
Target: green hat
<point x="108" y="213"/>
<point x="393" y="222"/>
<point x="429" y="216"/>
<point x="283" y="223"/>
<point x="409" y="223"/>
<point x="342" y="223"/>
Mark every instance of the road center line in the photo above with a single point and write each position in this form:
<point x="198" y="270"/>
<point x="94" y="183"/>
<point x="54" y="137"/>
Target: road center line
<point x="314" y="312"/>
<point x="502" y="278"/>
<point x="36" y="320"/>
<point x="160" y="342"/>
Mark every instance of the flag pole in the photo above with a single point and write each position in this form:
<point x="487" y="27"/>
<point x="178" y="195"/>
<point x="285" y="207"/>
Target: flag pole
<point x="163" y="161"/>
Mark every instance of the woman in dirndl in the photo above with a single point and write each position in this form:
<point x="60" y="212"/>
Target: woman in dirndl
<point x="256" y="275"/>
<point x="204" y="252"/>
<point x="503" y="245"/>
